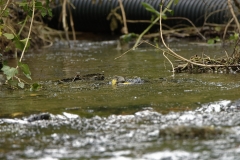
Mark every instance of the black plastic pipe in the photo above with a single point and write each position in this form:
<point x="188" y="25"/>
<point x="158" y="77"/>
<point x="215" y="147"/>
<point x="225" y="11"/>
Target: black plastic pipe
<point x="89" y="16"/>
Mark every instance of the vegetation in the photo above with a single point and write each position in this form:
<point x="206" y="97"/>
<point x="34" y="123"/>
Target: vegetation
<point x="196" y="64"/>
<point x="18" y="21"/>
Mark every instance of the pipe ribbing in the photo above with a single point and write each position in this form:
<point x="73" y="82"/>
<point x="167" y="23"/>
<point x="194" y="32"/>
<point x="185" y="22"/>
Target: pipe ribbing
<point x="92" y="17"/>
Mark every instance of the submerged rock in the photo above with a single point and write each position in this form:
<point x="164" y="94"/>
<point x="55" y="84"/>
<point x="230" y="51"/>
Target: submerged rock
<point x="94" y="76"/>
<point x="37" y="117"/>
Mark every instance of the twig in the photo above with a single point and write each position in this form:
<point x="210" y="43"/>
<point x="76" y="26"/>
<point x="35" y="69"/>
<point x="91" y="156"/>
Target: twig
<point x="64" y="15"/>
<point x="144" y="32"/>
<point x="209" y="14"/>
<point x="170" y="63"/>
<point x="127" y="51"/>
<point x="237" y="4"/>
<point x="125" y="30"/>
<point x="175" y="54"/>
<point x="20" y="80"/>
<point x="23" y="25"/>
<point x="5" y="7"/>
<point x="150" y="26"/>
<point x="169" y="50"/>
<point x="233" y="14"/>
<point x="225" y="30"/>
<point x="29" y="33"/>
<point x="190" y="23"/>
<point x="138" y="21"/>
<point x="71" y="21"/>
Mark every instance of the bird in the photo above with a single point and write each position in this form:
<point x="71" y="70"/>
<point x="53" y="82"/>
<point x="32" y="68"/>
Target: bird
<point x="118" y="79"/>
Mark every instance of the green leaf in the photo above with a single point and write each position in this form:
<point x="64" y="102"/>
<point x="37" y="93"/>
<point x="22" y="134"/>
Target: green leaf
<point x="214" y="40"/>
<point x="10" y="72"/>
<point x="24" y="41"/>
<point x="164" y="16"/>
<point x="43" y="12"/>
<point x="38" y="5"/>
<point x="234" y="37"/>
<point x="9" y="35"/>
<point x="49" y="12"/>
<point x="13" y="83"/>
<point x="47" y="3"/>
<point x="128" y="37"/>
<point x="21" y="84"/>
<point x="28" y="76"/>
<point x="171" y="11"/>
<point x="211" y="41"/>
<point x="22" y="4"/>
<point x="25" y="69"/>
<point x="35" y="87"/>
<point x="25" y="8"/>
<point x="150" y="8"/>
<point x="19" y="44"/>
<point x="217" y="39"/>
<point x="30" y="12"/>
<point x="6" y="13"/>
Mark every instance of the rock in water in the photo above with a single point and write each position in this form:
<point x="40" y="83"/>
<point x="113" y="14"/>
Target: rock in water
<point x="37" y="117"/>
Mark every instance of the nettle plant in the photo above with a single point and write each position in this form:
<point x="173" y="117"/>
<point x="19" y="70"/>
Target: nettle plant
<point x="16" y="41"/>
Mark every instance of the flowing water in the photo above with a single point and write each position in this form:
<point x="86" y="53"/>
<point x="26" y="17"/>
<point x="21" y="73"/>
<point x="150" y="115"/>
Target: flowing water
<point x="188" y="116"/>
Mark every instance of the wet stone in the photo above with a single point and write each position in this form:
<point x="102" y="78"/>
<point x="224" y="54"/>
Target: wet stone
<point x="94" y="76"/>
<point x="37" y="117"/>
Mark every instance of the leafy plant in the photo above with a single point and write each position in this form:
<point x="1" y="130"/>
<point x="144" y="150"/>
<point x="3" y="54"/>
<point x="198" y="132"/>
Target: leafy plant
<point x="234" y="37"/>
<point x="29" y="8"/>
<point x="157" y="14"/>
<point x="214" y="40"/>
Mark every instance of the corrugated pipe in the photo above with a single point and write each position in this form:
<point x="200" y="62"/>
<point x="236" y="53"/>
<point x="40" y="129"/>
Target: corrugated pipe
<point x="90" y="15"/>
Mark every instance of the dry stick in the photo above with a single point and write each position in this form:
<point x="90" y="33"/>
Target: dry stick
<point x="225" y="30"/>
<point x="233" y="14"/>
<point x="5" y="7"/>
<point x="169" y="62"/>
<point x="128" y="51"/>
<point x="235" y="47"/>
<point x="138" y="21"/>
<point x="30" y="29"/>
<point x="171" y="52"/>
<point x="180" y="32"/>
<point x="226" y="55"/>
<point x="125" y="30"/>
<point x="64" y="15"/>
<point x="19" y="80"/>
<point x="175" y="54"/>
<point x="190" y="23"/>
<point x="207" y="15"/>
<point x="237" y="3"/>
<point x="71" y="22"/>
